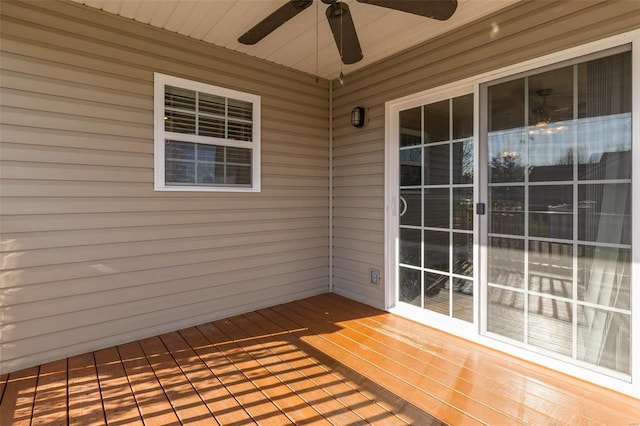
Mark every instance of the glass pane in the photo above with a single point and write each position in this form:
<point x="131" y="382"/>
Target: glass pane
<point x="241" y="110"/>
<point x="463" y="208"/>
<point x="436" y="250"/>
<point x="604" y="276"/>
<point x="177" y="98"/>
<point x="551" y="156"/>
<point x="210" y="153"/>
<point x="507" y="158"/>
<point x="411" y="167"/>
<point x="506" y="205"/>
<point x="551" y="97"/>
<point x="211" y="126"/>
<point x="604" y="338"/>
<point x="410" y="207"/>
<point x="551" y="324"/>
<point x="410" y="246"/>
<point x="604" y="213"/>
<point x="573" y="163"/>
<point x="436" y="122"/>
<point x="239" y="131"/>
<point x="220" y="174"/>
<point x="238" y="155"/>
<point x="505" y="314"/>
<point x="210" y="173"/>
<point x="462" y="299"/>
<point x="238" y="175"/>
<point x="411" y="127"/>
<point x="179" y="150"/>
<point x="462" y="170"/>
<point x="410" y="286"/>
<point x="551" y="268"/>
<point x="506" y="105"/>
<point x="180" y="122"/>
<point x="436" y="165"/>
<point x="463" y="116"/>
<point x="506" y="262"/>
<point x="436" y="293"/>
<point x="604" y="151"/>
<point x="179" y="172"/>
<point x="551" y="211"/>
<point x="436" y="207"/>
<point x="604" y="86"/>
<point x="211" y="104"/>
<point x="463" y="254"/>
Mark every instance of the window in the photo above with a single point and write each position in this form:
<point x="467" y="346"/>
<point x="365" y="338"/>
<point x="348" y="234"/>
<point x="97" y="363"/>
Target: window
<point x="207" y="138"/>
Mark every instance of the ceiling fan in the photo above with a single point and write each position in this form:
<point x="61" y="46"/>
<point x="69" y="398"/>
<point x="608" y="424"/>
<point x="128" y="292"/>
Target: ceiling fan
<point x="341" y="23"/>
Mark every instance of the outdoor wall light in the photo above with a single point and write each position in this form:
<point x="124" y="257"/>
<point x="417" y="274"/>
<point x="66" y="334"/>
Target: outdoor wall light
<point x="357" y="117"/>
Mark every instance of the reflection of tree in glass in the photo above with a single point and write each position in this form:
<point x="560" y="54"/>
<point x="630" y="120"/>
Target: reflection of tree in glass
<point x="410" y="167"/>
<point x="566" y="159"/>
<point x="506" y="168"/>
<point x="467" y="160"/>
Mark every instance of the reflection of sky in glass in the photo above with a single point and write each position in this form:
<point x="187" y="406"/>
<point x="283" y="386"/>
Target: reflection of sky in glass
<point x="507" y="143"/>
<point x="553" y="144"/>
<point x="598" y="135"/>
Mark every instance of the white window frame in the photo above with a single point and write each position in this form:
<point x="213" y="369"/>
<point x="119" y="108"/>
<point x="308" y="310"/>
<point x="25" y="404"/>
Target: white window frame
<point x="630" y="386"/>
<point x="160" y="135"/>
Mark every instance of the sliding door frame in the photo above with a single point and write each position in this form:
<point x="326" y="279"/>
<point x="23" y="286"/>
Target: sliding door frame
<point x="474" y="332"/>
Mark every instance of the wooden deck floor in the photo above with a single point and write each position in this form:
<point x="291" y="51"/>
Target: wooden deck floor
<point x="323" y="360"/>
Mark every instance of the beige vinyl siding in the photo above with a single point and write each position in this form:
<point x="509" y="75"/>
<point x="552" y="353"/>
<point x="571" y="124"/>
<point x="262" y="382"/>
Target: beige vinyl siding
<point x="524" y="31"/>
<point x="91" y="255"/>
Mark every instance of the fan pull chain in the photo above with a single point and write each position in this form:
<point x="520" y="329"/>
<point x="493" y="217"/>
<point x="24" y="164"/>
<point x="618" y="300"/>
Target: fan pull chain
<point x="341" y="77"/>
<point x="317" y="39"/>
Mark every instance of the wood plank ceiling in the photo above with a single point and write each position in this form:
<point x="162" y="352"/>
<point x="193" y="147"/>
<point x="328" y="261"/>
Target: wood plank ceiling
<point x="305" y="42"/>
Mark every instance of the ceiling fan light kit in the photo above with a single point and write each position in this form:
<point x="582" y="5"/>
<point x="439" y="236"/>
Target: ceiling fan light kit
<point x="543" y="117"/>
<point x="341" y="22"/>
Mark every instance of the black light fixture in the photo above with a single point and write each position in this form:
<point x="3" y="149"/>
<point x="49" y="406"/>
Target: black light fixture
<point x="357" y="117"/>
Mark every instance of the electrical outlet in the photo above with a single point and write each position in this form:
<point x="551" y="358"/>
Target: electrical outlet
<point x="375" y="276"/>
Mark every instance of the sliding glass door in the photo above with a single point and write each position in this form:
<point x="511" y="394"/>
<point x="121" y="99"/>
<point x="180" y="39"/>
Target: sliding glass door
<point x="435" y="259"/>
<point x="557" y="162"/>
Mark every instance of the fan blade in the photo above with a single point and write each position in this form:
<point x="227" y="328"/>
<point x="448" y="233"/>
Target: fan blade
<point x="273" y="21"/>
<point x="344" y="32"/>
<point x="435" y="9"/>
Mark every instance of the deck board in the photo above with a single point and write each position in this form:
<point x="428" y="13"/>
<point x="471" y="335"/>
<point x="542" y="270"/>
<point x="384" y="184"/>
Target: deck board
<point x="304" y="373"/>
<point x="314" y="404"/>
<point x="323" y="371"/>
<point x="16" y="408"/>
<point x="327" y="339"/>
<point x="225" y="408"/>
<point x="50" y="405"/>
<point x="152" y="402"/>
<point x="83" y="390"/>
<point x="325" y="360"/>
<point x="118" y="402"/>
<point x="207" y="341"/>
